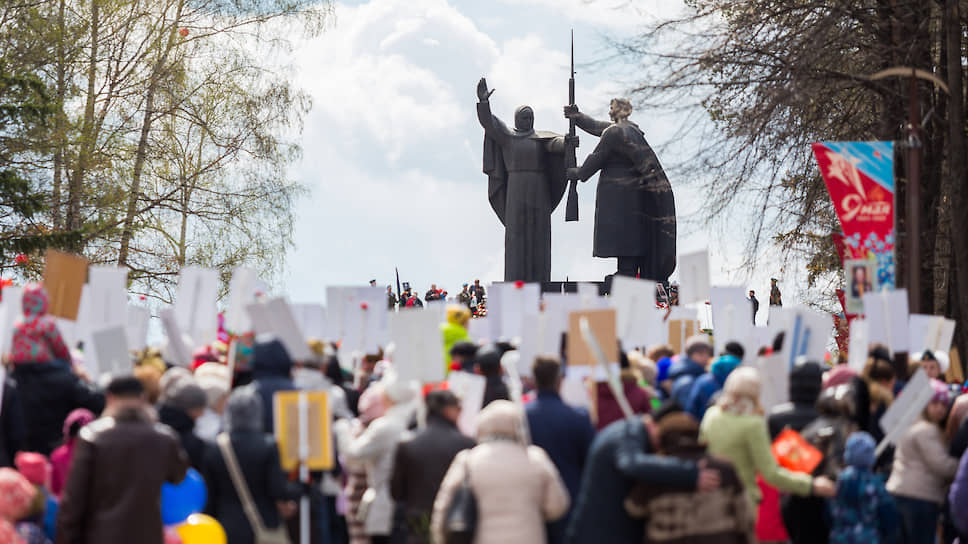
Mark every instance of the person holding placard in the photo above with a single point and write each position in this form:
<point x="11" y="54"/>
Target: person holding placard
<point x="880" y="378"/>
<point x="271" y="373"/>
<point x="257" y="454"/>
<point x="735" y="429"/>
<point x="375" y="449"/>
<point x="605" y="406"/>
<point x="922" y="471"/>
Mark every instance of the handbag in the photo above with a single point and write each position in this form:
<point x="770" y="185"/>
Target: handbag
<point x="794" y="453"/>
<point x="460" y="522"/>
<point x="262" y="534"/>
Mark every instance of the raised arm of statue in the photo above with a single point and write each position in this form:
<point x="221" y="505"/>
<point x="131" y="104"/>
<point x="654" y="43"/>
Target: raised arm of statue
<point x="585" y="122"/>
<point x="494" y="128"/>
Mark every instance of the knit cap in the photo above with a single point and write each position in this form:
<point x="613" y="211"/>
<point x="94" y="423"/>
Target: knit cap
<point x="941" y="392"/>
<point x="185" y="394"/>
<point x="859" y="451"/>
<point x="34" y="467"/>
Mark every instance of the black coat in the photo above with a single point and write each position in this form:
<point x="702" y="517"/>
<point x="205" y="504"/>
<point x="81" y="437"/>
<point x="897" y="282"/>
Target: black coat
<point x="48" y="392"/>
<point x="184" y="425"/>
<point x="258" y="458"/>
<point x="12" y="429"/>
<point x="420" y="465"/>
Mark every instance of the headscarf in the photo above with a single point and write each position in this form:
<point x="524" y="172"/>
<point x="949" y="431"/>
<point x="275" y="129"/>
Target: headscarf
<point x="501" y="420"/>
<point x="243" y="411"/>
<point x="371" y="404"/>
<point x="741" y="392"/>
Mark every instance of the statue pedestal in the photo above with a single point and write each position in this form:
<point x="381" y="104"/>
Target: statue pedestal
<point x="570" y="287"/>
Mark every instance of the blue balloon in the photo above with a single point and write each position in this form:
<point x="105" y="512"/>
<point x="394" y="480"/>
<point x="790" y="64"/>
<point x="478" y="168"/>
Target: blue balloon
<point x="184" y="499"/>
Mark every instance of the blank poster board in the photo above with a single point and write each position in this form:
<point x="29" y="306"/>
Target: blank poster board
<point x="64" y="278"/>
<point x="602" y="323"/>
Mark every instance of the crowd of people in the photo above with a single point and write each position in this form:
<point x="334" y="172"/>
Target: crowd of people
<point x="85" y="462"/>
<point x="473" y="296"/>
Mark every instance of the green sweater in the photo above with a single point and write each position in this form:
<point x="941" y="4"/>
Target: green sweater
<point x="745" y="442"/>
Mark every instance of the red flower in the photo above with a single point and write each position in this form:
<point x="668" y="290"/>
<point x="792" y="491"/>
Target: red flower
<point x="183" y="32"/>
<point x="519" y="284"/>
<point x="364" y="306"/>
<point x="142" y="297"/>
<point x="21" y="259"/>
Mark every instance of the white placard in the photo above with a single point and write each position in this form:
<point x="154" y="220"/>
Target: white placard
<point x="311" y="319"/>
<point x="858" y="345"/>
<point x="419" y="351"/>
<point x="574" y="393"/>
<point x="109" y="351"/>
<point x="359" y="330"/>
<point x="136" y="327"/>
<point x="537" y="339"/>
<point x="906" y="409"/>
<point x="589" y="297"/>
<point x="11" y="311"/>
<point x="195" y="303"/>
<point x="469" y="388"/>
<point x="177" y="351"/>
<point x="68" y="331"/>
<point x="104" y="300"/>
<point x="694" y="277"/>
<point x="638" y="322"/>
<point x="242" y="292"/>
<point x="287" y="330"/>
<point x="774" y="381"/>
<point x="508" y="308"/>
<point x="807" y="336"/>
<point x="276" y="318"/>
<point x="479" y="329"/>
<point x="732" y="318"/>
<point x="930" y="332"/>
<point x="886" y="313"/>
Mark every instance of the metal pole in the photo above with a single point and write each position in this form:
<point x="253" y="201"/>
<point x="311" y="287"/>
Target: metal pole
<point x="304" y="510"/>
<point x="913" y="232"/>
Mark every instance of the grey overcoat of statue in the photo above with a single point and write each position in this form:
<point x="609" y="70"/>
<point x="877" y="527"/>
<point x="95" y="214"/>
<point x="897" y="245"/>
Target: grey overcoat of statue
<point x="526" y="181"/>
<point x="635" y="212"/>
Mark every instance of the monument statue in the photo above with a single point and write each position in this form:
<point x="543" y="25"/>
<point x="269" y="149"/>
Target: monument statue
<point x="526" y="181"/>
<point x="635" y="212"/>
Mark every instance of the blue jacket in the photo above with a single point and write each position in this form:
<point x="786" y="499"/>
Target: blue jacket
<point x="565" y="433"/>
<point x="683" y="374"/>
<point x="616" y="460"/>
<point x="707" y="385"/>
<point x="863" y="512"/>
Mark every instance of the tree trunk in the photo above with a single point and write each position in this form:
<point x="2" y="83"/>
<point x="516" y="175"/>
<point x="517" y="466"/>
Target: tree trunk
<point x="127" y="228"/>
<point x="956" y="155"/>
<point x="59" y="125"/>
<point x="76" y="182"/>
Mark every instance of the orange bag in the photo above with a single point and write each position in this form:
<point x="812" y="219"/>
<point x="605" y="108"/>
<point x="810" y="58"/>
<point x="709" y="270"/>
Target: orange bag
<point x="794" y="453"/>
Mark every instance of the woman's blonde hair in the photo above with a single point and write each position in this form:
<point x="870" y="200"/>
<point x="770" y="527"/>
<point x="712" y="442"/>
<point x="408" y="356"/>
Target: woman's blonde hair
<point x="741" y="392"/>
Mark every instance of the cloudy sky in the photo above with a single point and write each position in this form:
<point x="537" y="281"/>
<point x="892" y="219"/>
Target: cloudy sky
<point x="392" y="147"/>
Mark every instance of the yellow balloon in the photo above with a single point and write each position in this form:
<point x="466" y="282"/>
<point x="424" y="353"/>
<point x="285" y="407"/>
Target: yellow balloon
<point x="201" y="529"/>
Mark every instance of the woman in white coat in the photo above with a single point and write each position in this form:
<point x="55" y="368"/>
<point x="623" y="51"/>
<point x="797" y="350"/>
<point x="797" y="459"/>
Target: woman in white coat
<point x="517" y="487"/>
<point x="375" y="448"/>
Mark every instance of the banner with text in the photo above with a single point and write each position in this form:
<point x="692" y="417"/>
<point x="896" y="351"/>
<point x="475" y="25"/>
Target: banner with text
<point x="860" y="179"/>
